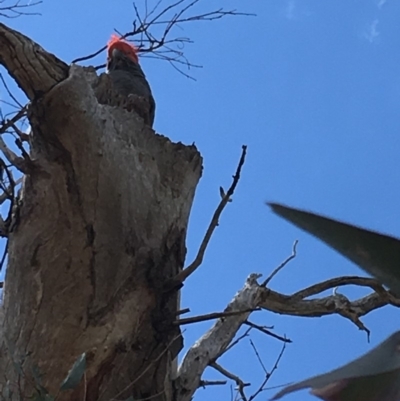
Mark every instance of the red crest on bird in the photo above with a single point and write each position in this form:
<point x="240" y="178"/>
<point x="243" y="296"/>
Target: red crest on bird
<point x="123" y="46"/>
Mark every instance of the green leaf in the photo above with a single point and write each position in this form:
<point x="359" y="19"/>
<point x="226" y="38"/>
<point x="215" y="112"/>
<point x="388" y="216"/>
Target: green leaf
<point x="376" y="253"/>
<point x="373" y="377"/>
<point x="75" y="374"/>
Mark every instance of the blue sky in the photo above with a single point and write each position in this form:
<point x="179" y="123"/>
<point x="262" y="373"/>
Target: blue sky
<point x="313" y="89"/>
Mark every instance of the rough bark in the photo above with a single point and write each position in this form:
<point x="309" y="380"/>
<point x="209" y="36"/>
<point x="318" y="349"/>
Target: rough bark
<point x="101" y="226"/>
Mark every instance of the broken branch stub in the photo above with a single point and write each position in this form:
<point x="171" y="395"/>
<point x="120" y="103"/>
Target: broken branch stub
<point x="35" y="70"/>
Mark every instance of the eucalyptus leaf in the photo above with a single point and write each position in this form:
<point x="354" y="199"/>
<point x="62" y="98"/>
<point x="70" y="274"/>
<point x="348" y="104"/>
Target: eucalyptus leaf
<point x="374" y="376"/>
<point x="75" y="374"/>
<point x="376" y="253"/>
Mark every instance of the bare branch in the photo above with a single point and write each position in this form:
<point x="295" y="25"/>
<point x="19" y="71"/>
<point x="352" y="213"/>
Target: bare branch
<point x="239" y="382"/>
<point x="204" y="383"/>
<point x="267" y="332"/>
<point x="15" y="160"/>
<point x="182" y="311"/>
<point x="3" y="259"/>
<point x="9" y="92"/>
<point x="88" y="57"/>
<point x="258" y="356"/>
<point x="10" y="123"/>
<point x="296" y="305"/>
<point x="17" y="9"/>
<point x="8" y="191"/>
<point x="206" y="351"/>
<point x="153" y="30"/>
<point x="240" y="338"/>
<point x="268" y="375"/>
<point x="215" y="342"/>
<point x="337" y="282"/>
<point x="184" y="274"/>
<point x="281" y="266"/>
<point x="210" y="316"/>
<point x="24" y="164"/>
<point x="24" y="153"/>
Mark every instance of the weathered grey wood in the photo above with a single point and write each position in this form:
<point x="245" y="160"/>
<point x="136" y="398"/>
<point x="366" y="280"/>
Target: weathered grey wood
<point x="34" y="70"/>
<point x="215" y="342"/>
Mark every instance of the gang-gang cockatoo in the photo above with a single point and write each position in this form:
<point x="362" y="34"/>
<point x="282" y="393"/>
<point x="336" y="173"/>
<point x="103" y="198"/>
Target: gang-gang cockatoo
<point x="126" y="74"/>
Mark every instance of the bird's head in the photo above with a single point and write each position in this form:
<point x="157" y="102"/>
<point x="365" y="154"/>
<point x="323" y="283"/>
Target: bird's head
<point x="120" y="54"/>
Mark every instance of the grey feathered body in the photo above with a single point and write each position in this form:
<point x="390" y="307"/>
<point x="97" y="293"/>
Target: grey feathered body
<point x="128" y="79"/>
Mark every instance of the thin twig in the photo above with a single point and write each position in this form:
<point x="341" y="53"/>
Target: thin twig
<point x="9" y="123"/>
<point x="182" y="312"/>
<point x="184" y="274"/>
<point x="281" y="266"/>
<point x="88" y="57"/>
<point x="11" y="191"/>
<point x="9" y="92"/>
<point x="204" y="383"/>
<point x="210" y="316"/>
<point x="240" y="338"/>
<point x="18" y="162"/>
<point x="269" y="374"/>
<point x="24" y="153"/>
<point x="163" y="22"/>
<point x="21" y="135"/>
<point x="8" y="191"/>
<point x="265" y="331"/>
<point x="258" y="356"/>
<point x="3" y="258"/>
<point x="13" y="11"/>
<point x="239" y="382"/>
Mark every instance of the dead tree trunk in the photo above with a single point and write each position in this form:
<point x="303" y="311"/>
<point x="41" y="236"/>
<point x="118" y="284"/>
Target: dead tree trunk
<point x="100" y="227"/>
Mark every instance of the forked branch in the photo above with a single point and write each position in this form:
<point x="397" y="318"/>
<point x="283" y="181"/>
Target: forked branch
<point x="15" y="9"/>
<point x="220" y="338"/>
<point x="226" y="198"/>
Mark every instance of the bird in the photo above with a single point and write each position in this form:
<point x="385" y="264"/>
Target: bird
<point x="126" y="73"/>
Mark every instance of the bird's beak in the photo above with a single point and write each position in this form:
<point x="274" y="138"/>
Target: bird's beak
<point x="116" y="54"/>
<point x="115" y="58"/>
